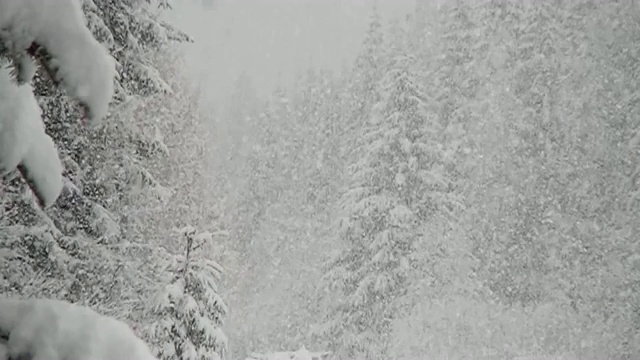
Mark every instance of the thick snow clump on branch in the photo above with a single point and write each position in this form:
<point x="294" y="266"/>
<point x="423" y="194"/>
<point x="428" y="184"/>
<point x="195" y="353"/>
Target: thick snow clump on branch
<point x="24" y="142"/>
<point x="43" y="329"/>
<point x="77" y="60"/>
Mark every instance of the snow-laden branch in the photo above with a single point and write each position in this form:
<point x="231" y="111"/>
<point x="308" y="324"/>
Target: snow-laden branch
<point x="54" y="34"/>
<point x="42" y="329"/>
<point x="24" y="143"/>
<point x="76" y="59"/>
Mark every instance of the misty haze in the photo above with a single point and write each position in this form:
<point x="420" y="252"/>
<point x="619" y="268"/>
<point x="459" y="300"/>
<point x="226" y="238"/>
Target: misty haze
<point x="319" y="180"/>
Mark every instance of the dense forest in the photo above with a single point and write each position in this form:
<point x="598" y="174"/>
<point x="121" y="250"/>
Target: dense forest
<point x="468" y="188"/>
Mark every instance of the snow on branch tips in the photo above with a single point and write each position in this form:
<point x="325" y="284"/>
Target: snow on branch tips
<point x="23" y="142"/>
<point x="56" y="34"/>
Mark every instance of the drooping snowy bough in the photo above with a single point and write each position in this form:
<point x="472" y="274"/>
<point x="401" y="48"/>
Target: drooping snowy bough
<point x="42" y="329"/>
<point x="23" y="142"/>
<point x="54" y="35"/>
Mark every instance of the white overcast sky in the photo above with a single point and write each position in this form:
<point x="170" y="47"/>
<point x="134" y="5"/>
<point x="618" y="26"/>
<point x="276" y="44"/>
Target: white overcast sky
<point x="272" y="39"/>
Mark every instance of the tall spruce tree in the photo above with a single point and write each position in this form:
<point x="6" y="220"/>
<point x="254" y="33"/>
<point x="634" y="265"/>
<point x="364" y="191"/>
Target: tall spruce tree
<point x="398" y="184"/>
<point x="189" y="310"/>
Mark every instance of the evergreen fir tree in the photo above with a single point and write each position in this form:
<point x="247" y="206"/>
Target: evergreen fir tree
<point x="189" y="309"/>
<point x="398" y="184"/>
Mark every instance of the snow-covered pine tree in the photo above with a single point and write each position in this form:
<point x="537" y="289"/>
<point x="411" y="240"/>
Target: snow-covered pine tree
<point x="189" y="311"/>
<point x="398" y="184"/>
